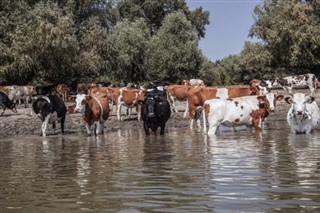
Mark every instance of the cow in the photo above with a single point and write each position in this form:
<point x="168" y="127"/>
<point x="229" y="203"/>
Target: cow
<point x="50" y="109"/>
<point x="155" y="111"/>
<point x="303" y="114"/>
<point x="62" y="91"/>
<point x="264" y="86"/>
<point x="197" y="97"/>
<point x="248" y="110"/>
<point x="95" y="111"/>
<point x="130" y="98"/>
<point x="178" y="93"/>
<point x="193" y="82"/>
<point x="289" y="82"/>
<point x="5" y="103"/>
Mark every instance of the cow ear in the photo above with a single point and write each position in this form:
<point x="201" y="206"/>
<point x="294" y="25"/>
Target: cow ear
<point x="310" y="99"/>
<point x="261" y="99"/>
<point x="279" y="97"/>
<point x="288" y="100"/>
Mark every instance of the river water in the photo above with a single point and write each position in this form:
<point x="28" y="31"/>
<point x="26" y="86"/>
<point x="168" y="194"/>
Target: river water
<point x="182" y="171"/>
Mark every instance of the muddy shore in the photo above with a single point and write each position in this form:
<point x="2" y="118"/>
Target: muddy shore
<point x="23" y="123"/>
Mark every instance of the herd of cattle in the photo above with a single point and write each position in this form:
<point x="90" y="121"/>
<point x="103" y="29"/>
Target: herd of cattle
<point x="229" y="107"/>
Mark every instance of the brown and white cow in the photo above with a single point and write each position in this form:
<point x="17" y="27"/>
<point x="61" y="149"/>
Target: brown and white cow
<point x="248" y="110"/>
<point x="264" y="86"/>
<point x="193" y="82"/>
<point x="197" y="97"/>
<point x="178" y="93"/>
<point x="95" y="111"/>
<point x="289" y="82"/>
<point x="62" y="90"/>
<point x="130" y="98"/>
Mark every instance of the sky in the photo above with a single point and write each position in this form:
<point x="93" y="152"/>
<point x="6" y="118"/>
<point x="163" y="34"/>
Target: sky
<point x="230" y="22"/>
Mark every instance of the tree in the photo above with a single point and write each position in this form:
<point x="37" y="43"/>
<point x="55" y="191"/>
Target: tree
<point x="38" y="43"/>
<point x="155" y="11"/>
<point x="129" y="47"/>
<point x="173" y="51"/>
<point x="291" y="32"/>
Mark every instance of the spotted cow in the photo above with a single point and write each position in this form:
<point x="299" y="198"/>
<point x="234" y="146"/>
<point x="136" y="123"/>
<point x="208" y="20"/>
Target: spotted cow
<point x="290" y="82"/>
<point x="248" y="110"/>
<point x="197" y="97"/>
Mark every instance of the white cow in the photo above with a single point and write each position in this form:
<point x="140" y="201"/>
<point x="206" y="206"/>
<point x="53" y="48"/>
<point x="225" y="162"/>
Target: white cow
<point x="287" y="83"/>
<point x="247" y="110"/>
<point x="193" y="82"/>
<point x="303" y="114"/>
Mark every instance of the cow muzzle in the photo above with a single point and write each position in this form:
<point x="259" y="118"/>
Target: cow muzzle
<point x="151" y="115"/>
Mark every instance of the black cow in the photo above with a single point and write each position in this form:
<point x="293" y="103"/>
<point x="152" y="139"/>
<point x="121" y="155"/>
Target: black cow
<point x="5" y="103"/>
<point x="155" y="111"/>
<point x="50" y="108"/>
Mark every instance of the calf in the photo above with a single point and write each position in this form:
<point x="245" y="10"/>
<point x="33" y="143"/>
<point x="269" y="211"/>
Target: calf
<point x="303" y="114"/>
<point x="50" y="109"/>
<point x="155" y="111"/>
<point x="288" y="83"/>
<point x="95" y="111"/>
<point x="5" y="103"/>
<point x="249" y="110"/>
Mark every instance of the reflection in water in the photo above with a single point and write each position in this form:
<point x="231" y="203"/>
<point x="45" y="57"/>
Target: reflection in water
<point x="182" y="171"/>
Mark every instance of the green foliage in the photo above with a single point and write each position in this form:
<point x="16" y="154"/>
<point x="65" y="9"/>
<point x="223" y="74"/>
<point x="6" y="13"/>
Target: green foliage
<point x="291" y="32"/>
<point x="130" y="42"/>
<point x="57" y="41"/>
<point x="174" y="50"/>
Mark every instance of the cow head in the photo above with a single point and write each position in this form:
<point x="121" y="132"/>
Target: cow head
<point x="260" y="85"/>
<point x="80" y="103"/>
<point x="151" y="100"/>
<point x="269" y="101"/>
<point x="298" y="102"/>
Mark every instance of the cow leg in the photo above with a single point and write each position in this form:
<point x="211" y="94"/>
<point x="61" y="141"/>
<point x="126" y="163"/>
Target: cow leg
<point x="99" y="128"/>
<point x="3" y="107"/>
<point x="146" y="128"/>
<point x="88" y="127"/>
<point x="256" y="121"/>
<point x="119" y="111"/>
<point x="186" y="111"/>
<point x="129" y="111"/>
<point x="62" y="124"/>
<point x="54" y="127"/>
<point x="213" y="125"/>
<point x="45" y="125"/>
<point x="162" y="127"/>
<point x="172" y="101"/>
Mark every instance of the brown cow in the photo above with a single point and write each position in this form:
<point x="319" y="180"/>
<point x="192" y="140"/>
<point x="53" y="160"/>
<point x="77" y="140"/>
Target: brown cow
<point x="130" y="98"/>
<point x="62" y="91"/>
<point x="178" y="93"/>
<point x="94" y="109"/>
<point x="197" y="97"/>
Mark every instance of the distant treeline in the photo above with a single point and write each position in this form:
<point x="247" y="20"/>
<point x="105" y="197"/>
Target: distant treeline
<point x="55" y="41"/>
